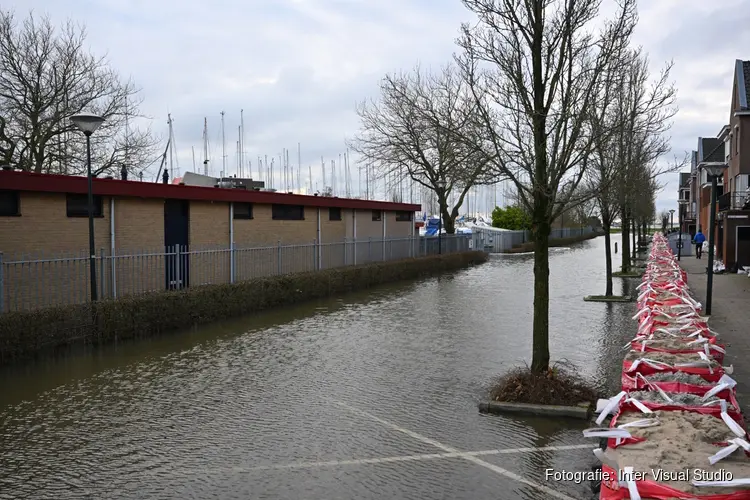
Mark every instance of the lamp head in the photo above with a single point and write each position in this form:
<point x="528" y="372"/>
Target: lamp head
<point x="715" y="169"/>
<point x="441" y="184"/>
<point x="87" y="122"/>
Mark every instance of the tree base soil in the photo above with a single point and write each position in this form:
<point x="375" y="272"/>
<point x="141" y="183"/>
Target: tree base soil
<point x="553" y="387"/>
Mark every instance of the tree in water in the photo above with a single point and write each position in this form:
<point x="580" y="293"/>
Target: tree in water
<point x="630" y="123"/>
<point x="534" y="68"/>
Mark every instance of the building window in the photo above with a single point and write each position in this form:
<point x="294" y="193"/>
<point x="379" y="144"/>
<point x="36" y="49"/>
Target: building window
<point x="404" y="216"/>
<point x="288" y="212"/>
<point x="243" y="210"/>
<point x="77" y="205"/>
<point x="9" y="204"/>
<point x="377" y="215"/>
<point x="334" y="213"/>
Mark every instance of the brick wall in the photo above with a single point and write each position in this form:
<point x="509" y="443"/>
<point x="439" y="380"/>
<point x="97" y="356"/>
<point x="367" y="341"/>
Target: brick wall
<point x="139" y="261"/>
<point x="139" y="246"/>
<point x="44" y="232"/>
<point x="258" y="239"/>
<point x="209" y="243"/>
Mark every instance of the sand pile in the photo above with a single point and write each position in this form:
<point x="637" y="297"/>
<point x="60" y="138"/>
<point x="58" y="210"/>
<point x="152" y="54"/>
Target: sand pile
<point x="670" y="343"/>
<point x="669" y="358"/>
<point x="681" y="442"/>
<point x="678" y="398"/>
<point x="685" y="378"/>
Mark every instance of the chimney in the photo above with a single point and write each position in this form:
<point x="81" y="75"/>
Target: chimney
<point x="124" y="173"/>
<point x="165" y="177"/>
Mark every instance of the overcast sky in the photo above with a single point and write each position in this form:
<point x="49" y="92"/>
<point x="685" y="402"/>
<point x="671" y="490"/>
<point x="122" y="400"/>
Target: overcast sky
<point x="297" y="67"/>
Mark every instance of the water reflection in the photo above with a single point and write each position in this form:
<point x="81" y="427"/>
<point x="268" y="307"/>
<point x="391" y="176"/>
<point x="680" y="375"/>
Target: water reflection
<point x="149" y="418"/>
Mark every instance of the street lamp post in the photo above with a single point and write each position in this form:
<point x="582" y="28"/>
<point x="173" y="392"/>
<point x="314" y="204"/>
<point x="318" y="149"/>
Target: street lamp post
<point x="441" y="188"/>
<point x="671" y="220"/>
<point x="714" y="171"/>
<point x="682" y="204"/>
<point x="88" y="123"/>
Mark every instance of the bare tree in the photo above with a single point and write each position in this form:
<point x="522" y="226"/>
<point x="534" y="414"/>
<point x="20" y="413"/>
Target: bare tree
<point x="534" y="67"/>
<point x="631" y="121"/>
<point x="409" y="132"/>
<point x="647" y="107"/>
<point x="47" y="75"/>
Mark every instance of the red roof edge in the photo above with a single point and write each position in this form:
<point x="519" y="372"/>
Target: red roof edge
<point x="52" y="183"/>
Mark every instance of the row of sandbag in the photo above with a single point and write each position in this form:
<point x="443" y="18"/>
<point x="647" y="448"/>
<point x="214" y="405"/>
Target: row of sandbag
<point x="676" y="430"/>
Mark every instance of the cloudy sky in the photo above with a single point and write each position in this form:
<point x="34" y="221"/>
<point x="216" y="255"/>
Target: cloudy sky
<point x="298" y="67"/>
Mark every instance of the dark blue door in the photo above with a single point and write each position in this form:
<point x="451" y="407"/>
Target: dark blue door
<point x="176" y="237"/>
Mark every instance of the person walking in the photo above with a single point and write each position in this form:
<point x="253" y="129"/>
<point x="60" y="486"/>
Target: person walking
<point x="698" y="239"/>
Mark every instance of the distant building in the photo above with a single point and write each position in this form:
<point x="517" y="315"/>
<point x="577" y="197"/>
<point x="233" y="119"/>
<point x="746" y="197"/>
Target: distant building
<point x="731" y="148"/>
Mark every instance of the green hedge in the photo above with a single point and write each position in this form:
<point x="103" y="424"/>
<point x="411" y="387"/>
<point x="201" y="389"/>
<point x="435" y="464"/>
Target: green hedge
<point x="25" y="333"/>
<point x="556" y="242"/>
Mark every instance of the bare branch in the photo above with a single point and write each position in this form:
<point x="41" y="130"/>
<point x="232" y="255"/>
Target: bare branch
<point x="47" y="75"/>
<point x="410" y="132"/>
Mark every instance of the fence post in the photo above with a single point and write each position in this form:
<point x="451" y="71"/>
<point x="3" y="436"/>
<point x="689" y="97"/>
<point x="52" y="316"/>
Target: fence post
<point x="231" y="262"/>
<point x="113" y="274"/>
<point x="279" y="257"/>
<point x="178" y="266"/>
<point x="2" y="285"/>
<point x="101" y="273"/>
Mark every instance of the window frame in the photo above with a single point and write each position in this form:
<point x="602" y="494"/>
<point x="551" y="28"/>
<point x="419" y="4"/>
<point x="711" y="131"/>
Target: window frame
<point x="241" y="215"/>
<point x="15" y="196"/>
<point x="377" y="215"/>
<point x="98" y="206"/>
<point x="335" y="216"/>
<point x="285" y="216"/>
<point x="404" y="216"/>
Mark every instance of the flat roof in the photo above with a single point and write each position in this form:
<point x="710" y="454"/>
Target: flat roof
<point x="52" y="183"/>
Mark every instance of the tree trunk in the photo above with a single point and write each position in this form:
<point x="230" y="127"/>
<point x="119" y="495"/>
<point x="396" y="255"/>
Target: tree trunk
<point x="540" y="347"/>
<point x="634" y="249"/>
<point x="639" y="239"/>
<point x="625" y="242"/>
<point x="449" y="221"/>
<point x="608" y="259"/>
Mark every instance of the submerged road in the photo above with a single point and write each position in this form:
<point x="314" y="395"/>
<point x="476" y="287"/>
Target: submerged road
<point x="367" y="396"/>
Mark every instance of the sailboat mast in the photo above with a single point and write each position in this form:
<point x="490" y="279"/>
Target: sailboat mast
<point x="323" y="170"/>
<point x="242" y="142"/>
<point x="284" y="163"/>
<point x="205" y="146"/>
<point x="193" y="148"/>
<point x="309" y="173"/>
<point x="299" y="167"/>
<point x="171" y="164"/>
<point x="223" y="145"/>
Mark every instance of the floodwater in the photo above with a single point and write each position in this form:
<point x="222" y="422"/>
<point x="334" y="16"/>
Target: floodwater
<point x="366" y="396"/>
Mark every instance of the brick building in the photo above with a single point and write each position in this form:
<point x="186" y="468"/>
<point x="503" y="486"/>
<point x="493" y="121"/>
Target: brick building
<point x="733" y="233"/>
<point x="237" y="230"/>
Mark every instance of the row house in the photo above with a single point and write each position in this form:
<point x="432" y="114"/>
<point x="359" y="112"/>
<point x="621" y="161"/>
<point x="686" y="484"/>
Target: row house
<point x="731" y="149"/>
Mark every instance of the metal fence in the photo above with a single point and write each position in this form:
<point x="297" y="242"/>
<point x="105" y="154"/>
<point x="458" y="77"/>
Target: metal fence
<point x="30" y="282"/>
<point x="496" y="240"/>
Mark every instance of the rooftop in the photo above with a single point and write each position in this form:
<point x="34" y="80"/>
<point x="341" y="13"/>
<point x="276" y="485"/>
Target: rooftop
<point x="28" y="181"/>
